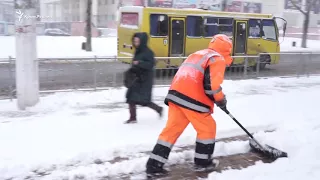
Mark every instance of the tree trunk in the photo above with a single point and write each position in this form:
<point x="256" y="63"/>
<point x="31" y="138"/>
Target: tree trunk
<point x="305" y="30"/>
<point x="88" y="26"/>
<point x="224" y="5"/>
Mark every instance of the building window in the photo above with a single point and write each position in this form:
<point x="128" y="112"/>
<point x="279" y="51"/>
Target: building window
<point x="194" y="26"/>
<point x="66" y="6"/>
<point x="77" y="5"/>
<point x="159" y="25"/>
<point x="254" y="28"/>
<point x="268" y="29"/>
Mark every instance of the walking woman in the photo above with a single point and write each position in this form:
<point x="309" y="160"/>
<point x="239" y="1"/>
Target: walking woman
<point x="139" y="78"/>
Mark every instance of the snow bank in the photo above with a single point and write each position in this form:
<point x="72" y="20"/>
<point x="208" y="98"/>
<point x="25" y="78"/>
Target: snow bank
<point x="67" y="132"/>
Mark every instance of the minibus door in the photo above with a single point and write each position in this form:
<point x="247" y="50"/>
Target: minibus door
<point x="177" y="37"/>
<point x="240" y="40"/>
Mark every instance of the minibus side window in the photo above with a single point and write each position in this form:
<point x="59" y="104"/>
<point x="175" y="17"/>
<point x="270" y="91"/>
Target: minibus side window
<point x="269" y="29"/>
<point x="211" y="27"/>
<point x="254" y="28"/>
<point x="194" y="26"/>
<point x="158" y="25"/>
<point x="226" y="26"/>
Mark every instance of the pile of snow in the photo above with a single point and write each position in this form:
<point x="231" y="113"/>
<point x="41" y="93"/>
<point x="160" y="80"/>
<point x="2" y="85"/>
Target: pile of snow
<point x="64" y="47"/>
<point x="67" y="133"/>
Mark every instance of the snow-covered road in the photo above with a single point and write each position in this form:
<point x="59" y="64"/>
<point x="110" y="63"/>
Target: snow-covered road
<point x="70" y="47"/>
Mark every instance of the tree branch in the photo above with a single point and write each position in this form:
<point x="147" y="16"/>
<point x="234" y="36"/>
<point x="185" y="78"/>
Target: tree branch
<point x="297" y="7"/>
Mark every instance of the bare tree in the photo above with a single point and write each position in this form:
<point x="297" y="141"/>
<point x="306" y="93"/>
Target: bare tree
<point x="306" y="12"/>
<point x="88" y="26"/>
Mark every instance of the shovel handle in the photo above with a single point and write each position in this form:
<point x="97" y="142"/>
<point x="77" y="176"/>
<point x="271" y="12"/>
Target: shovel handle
<point x="243" y="128"/>
<point x="235" y="120"/>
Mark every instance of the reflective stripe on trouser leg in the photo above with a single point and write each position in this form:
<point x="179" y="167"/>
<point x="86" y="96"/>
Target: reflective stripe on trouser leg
<point x="176" y="123"/>
<point x="203" y="152"/>
<point x="159" y="154"/>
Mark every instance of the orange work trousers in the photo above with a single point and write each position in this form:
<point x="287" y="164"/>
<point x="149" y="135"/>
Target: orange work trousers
<point x="178" y="120"/>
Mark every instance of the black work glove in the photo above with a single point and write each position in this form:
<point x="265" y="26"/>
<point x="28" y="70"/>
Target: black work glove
<point x="222" y="104"/>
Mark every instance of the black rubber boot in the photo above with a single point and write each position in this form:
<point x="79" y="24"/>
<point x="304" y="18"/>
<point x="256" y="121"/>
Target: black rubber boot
<point x="130" y="121"/>
<point x="155" y="170"/>
<point x="213" y="165"/>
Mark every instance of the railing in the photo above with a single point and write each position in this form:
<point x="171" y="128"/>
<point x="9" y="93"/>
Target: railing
<point x="96" y="73"/>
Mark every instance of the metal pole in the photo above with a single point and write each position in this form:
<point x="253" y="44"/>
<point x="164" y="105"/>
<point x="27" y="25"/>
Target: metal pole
<point x="245" y="67"/>
<point x="114" y="80"/>
<point x="95" y="73"/>
<point x="299" y="65"/>
<point x="258" y="65"/>
<point x="11" y="80"/>
<point x="27" y="75"/>
<point x="307" y="64"/>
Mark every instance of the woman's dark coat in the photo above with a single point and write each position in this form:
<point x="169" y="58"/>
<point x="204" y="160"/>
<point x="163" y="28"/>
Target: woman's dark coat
<point x="139" y="78"/>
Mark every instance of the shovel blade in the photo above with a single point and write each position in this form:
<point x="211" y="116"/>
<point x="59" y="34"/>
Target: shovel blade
<point x="267" y="150"/>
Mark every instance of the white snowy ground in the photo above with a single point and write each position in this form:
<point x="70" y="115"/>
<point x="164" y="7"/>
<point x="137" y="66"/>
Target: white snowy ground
<point x="77" y="128"/>
<point x="59" y="47"/>
<point x="62" y="47"/>
<point x="286" y="45"/>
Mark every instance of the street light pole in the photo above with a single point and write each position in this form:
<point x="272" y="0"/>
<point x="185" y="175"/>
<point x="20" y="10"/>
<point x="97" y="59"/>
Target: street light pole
<point x="27" y="70"/>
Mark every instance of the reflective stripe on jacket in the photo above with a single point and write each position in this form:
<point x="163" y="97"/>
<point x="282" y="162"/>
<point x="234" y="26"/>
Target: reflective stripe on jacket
<point x="196" y="85"/>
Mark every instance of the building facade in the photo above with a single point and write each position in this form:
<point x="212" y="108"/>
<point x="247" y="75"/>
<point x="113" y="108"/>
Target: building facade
<point x="63" y="10"/>
<point x="105" y="11"/>
<point x="281" y="8"/>
<point x="6" y="11"/>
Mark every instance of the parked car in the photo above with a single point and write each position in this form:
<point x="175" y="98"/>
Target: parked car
<point x="107" y="32"/>
<point x="55" y="32"/>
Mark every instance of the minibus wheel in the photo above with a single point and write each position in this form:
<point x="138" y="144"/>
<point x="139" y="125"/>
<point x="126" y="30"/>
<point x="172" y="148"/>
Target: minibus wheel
<point x="165" y="73"/>
<point x="264" y="60"/>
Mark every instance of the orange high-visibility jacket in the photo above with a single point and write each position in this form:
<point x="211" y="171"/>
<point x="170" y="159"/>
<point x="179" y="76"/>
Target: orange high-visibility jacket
<point x="196" y="85"/>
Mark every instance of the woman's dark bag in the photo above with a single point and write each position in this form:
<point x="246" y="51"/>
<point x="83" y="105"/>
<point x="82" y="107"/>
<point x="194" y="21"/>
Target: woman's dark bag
<point x="129" y="78"/>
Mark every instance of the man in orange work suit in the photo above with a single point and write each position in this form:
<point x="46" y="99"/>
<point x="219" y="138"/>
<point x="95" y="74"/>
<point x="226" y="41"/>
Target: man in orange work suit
<point x="194" y="91"/>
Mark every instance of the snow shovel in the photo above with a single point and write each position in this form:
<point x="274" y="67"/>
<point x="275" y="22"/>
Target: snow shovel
<point x="265" y="150"/>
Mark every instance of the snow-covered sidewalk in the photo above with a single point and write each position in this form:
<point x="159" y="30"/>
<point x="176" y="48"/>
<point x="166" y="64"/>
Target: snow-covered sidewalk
<point x="67" y="132"/>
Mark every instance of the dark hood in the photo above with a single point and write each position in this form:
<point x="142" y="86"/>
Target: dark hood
<point x="143" y="39"/>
